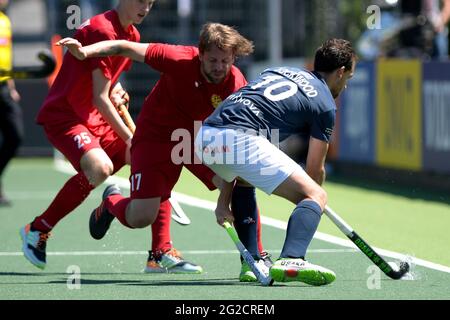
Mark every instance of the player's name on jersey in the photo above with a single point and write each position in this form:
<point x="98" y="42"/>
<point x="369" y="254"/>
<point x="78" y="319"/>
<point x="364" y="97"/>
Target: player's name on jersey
<point x="239" y="98"/>
<point x="300" y="78"/>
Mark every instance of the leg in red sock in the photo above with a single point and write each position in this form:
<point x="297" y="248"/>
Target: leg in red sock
<point x="68" y="198"/>
<point x="161" y="241"/>
<point x="35" y="235"/>
<point x="117" y="206"/>
<point x="163" y="257"/>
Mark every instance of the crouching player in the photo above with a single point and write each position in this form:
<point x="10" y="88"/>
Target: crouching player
<point x="281" y="102"/>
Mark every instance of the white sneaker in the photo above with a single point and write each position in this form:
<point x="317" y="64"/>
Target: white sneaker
<point x="285" y="270"/>
<point x="171" y="262"/>
<point x="247" y="275"/>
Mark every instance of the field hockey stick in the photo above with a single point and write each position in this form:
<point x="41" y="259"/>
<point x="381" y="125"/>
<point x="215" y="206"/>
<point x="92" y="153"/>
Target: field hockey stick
<point x="32" y="72"/>
<point x="178" y="213"/>
<point x="126" y="117"/>
<point x="265" y="280"/>
<point x="366" y="248"/>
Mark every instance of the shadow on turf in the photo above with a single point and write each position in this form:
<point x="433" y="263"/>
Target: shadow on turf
<point x="157" y="283"/>
<point x="149" y="282"/>
<point x="45" y="274"/>
<point x="197" y="282"/>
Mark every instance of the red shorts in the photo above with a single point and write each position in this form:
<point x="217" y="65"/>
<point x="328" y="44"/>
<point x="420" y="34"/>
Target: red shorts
<point x="154" y="174"/>
<point x="73" y="140"/>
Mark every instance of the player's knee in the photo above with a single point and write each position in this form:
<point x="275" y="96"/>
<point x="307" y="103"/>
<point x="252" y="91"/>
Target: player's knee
<point x="320" y="196"/>
<point x="141" y="219"/>
<point x="105" y="171"/>
<point x="96" y="165"/>
<point x="99" y="173"/>
<point x="142" y="222"/>
<point x="141" y="213"/>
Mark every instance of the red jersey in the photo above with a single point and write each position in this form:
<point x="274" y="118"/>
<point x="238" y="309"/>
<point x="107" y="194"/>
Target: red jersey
<point x="182" y="95"/>
<point x="70" y="96"/>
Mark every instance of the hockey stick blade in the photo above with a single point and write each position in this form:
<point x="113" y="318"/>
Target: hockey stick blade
<point x="377" y="259"/>
<point x="178" y="213"/>
<point x="265" y="280"/>
<point x="33" y="72"/>
<point x="366" y="248"/>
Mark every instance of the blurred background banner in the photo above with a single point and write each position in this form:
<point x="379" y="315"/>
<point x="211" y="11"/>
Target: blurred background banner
<point x="357" y="116"/>
<point x="398" y="116"/>
<point x="393" y="114"/>
<point x="436" y="117"/>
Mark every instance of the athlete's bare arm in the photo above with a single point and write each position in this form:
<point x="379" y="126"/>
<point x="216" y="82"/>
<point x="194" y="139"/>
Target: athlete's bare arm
<point x="223" y="211"/>
<point x="315" y="162"/>
<point x="101" y="99"/>
<point x="133" y="50"/>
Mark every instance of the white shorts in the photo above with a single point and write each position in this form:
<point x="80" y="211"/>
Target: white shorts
<point x="234" y="153"/>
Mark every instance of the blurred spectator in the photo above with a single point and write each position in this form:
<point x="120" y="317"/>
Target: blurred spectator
<point x="372" y="43"/>
<point x="11" y="123"/>
<point x="410" y="28"/>
<point x="425" y="31"/>
<point x="440" y="22"/>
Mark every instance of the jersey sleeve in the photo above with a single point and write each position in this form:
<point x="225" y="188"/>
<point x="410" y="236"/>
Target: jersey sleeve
<point x="239" y="79"/>
<point x="169" y="58"/>
<point x="323" y="124"/>
<point x="136" y="35"/>
<point x="88" y="36"/>
<point x="136" y="38"/>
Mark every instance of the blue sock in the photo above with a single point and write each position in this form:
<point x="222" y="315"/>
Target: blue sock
<point x="302" y="225"/>
<point x="245" y="211"/>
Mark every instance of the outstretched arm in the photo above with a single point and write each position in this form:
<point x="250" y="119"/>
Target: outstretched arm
<point x="133" y="50"/>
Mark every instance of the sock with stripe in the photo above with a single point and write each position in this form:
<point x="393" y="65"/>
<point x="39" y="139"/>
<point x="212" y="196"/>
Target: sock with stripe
<point x="71" y="195"/>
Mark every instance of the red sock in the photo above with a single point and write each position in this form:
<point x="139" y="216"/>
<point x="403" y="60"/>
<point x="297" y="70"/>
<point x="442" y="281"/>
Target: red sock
<point x="161" y="241"/>
<point x="258" y="233"/>
<point x="68" y="198"/>
<point x="117" y="205"/>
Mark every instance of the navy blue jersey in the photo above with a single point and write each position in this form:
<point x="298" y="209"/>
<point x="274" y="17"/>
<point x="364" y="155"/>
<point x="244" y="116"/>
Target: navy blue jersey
<point x="290" y="100"/>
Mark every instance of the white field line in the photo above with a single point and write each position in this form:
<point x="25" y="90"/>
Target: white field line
<point x="139" y="253"/>
<point x="209" y="205"/>
<point x="31" y="195"/>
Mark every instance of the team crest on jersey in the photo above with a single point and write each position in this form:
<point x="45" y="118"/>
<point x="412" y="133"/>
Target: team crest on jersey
<point x="216" y="100"/>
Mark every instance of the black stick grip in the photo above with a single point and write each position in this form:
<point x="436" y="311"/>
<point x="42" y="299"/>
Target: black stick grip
<point x="32" y="72"/>
<point x="377" y="259"/>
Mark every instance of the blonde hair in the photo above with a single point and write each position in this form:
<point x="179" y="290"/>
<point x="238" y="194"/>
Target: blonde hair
<point x="224" y="37"/>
